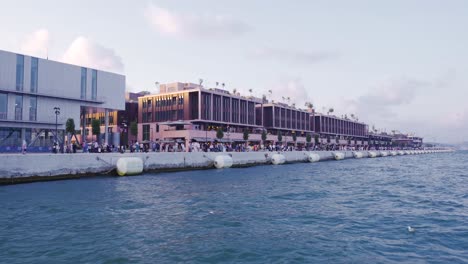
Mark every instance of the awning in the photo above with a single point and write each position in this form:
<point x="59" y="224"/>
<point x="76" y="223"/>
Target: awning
<point x="201" y="139"/>
<point x="175" y="123"/>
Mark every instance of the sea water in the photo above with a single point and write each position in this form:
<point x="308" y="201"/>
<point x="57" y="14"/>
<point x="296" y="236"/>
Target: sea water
<point x="350" y="211"/>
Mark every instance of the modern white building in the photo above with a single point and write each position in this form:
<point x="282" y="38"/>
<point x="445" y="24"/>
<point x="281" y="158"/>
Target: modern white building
<point x="30" y="89"/>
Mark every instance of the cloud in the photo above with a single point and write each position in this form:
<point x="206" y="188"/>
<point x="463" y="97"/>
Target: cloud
<point x="36" y="43"/>
<point x="379" y="102"/>
<point x="292" y="56"/>
<point x="85" y="52"/>
<point x="293" y="88"/>
<point x="193" y="25"/>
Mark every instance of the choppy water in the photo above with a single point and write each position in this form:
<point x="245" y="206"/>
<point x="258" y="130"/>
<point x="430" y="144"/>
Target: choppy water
<point x="345" y="211"/>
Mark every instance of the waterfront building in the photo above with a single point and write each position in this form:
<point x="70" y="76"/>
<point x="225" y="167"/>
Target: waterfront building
<point x="186" y="111"/>
<point x="120" y="122"/>
<point x="285" y="119"/>
<point x="380" y="140"/>
<point x="342" y="131"/>
<point x="30" y="89"/>
<point x="181" y="112"/>
<point x="406" y="141"/>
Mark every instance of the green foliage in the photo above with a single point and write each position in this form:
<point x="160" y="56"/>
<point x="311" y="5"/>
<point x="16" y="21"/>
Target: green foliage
<point x="134" y="128"/>
<point x="308" y="138"/>
<point x="294" y="137"/>
<point x="96" y="127"/>
<point x="264" y="135"/>
<point x="280" y="137"/>
<point x="316" y="139"/>
<point x="219" y="133"/>
<point x="246" y="134"/>
<point x="70" y="126"/>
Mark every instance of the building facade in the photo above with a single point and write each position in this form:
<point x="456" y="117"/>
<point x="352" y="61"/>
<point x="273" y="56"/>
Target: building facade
<point x="343" y="131"/>
<point x="30" y="89"/>
<point x="120" y="122"/>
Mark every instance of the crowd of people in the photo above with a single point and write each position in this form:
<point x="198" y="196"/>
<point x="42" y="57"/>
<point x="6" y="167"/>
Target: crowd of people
<point x="194" y="146"/>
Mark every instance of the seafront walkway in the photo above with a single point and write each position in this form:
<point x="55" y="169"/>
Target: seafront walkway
<point x="17" y="168"/>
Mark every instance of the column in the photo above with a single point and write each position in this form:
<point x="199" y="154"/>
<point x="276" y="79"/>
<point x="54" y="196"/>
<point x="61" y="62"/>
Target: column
<point x="106" y="122"/>
<point x="199" y="105"/>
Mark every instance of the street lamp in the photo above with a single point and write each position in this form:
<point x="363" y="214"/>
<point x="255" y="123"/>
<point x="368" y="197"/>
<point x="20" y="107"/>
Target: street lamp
<point x="57" y="113"/>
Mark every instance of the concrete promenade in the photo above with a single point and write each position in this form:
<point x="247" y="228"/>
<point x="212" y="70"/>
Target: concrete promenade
<point x="17" y="168"/>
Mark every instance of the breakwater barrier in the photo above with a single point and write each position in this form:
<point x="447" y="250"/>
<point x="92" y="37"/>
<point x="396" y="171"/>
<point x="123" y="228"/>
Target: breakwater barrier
<point x="17" y="168"/>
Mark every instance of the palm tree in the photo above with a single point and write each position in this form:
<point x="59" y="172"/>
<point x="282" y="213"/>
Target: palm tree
<point x="289" y="99"/>
<point x="200" y="81"/>
<point x="223" y="84"/>
<point x="234" y="91"/>
<point x="309" y="106"/>
<point x="217" y="83"/>
<point x="284" y="98"/>
<point x="270" y="92"/>
<point x="250" y="91"/>
<point x="331" y="110"/>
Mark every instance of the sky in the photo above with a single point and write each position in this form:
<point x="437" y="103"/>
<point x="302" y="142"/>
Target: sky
<point x="398" y="65"/>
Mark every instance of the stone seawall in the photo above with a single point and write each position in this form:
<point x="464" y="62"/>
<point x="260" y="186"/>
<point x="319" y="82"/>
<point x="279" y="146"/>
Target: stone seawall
<point x="17" y="168"/>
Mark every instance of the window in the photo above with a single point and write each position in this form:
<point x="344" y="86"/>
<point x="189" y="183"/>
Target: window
<point x="146" y="132"/>
<point x="83" y="82"/>
<point x="34" y="74"/>
<point x="3" y="105"/>
<point x="94" y="85"/>
<point x="19" y="107"/>
<point x="33" y="108"/>
<point x="19" y="72"/>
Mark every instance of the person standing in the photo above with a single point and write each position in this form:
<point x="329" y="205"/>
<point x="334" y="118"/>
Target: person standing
<point x="24" y="147"/>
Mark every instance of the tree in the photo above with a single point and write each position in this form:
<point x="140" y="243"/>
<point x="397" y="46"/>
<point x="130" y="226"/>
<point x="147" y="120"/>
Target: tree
<point x="234" y="91"/>
<point x="280" y="137"/>
<point x="250" y="91"/>
<point x="264" y="135"/>
<point x="134" y="128"/>
<point x="331" y="110"/>
<point x="217" y="83"/>
<point x="219" y="133"/>
<point x="246" y="134"/>
<point x="294" y="137"/>
<point x="309" y="106"/>
<point x="96" y="128"/>
<point x="308" y="138"/>
<point x="316" y="139"/>
<point x="70" y="128"/>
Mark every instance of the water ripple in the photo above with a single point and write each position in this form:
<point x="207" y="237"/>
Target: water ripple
<point x="334" y="212"/>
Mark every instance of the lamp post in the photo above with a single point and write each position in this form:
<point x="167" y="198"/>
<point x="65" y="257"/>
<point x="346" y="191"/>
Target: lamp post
<point x="57" y="113"/>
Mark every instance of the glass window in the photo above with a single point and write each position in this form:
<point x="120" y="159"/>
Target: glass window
<point x="19" y="107"/>
<point x="83" y="82"/>
<point x="34" y="74"/>
<point x="3" y="105"/>
<point x="94" y="85"/>
<point x="19" y="72"/>
<point x="33" y="108"/>
<point x="146" y="132"/>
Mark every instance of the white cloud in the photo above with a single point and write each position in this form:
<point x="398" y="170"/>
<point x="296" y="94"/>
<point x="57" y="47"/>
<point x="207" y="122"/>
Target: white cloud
<point x="293" y="88"/>
<point x="193" y="25"/>
<point x="85" y="52"/>
<point x="36" y="44"/>
<point x="380" y="102"/>
<point x="292" y="56"/>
